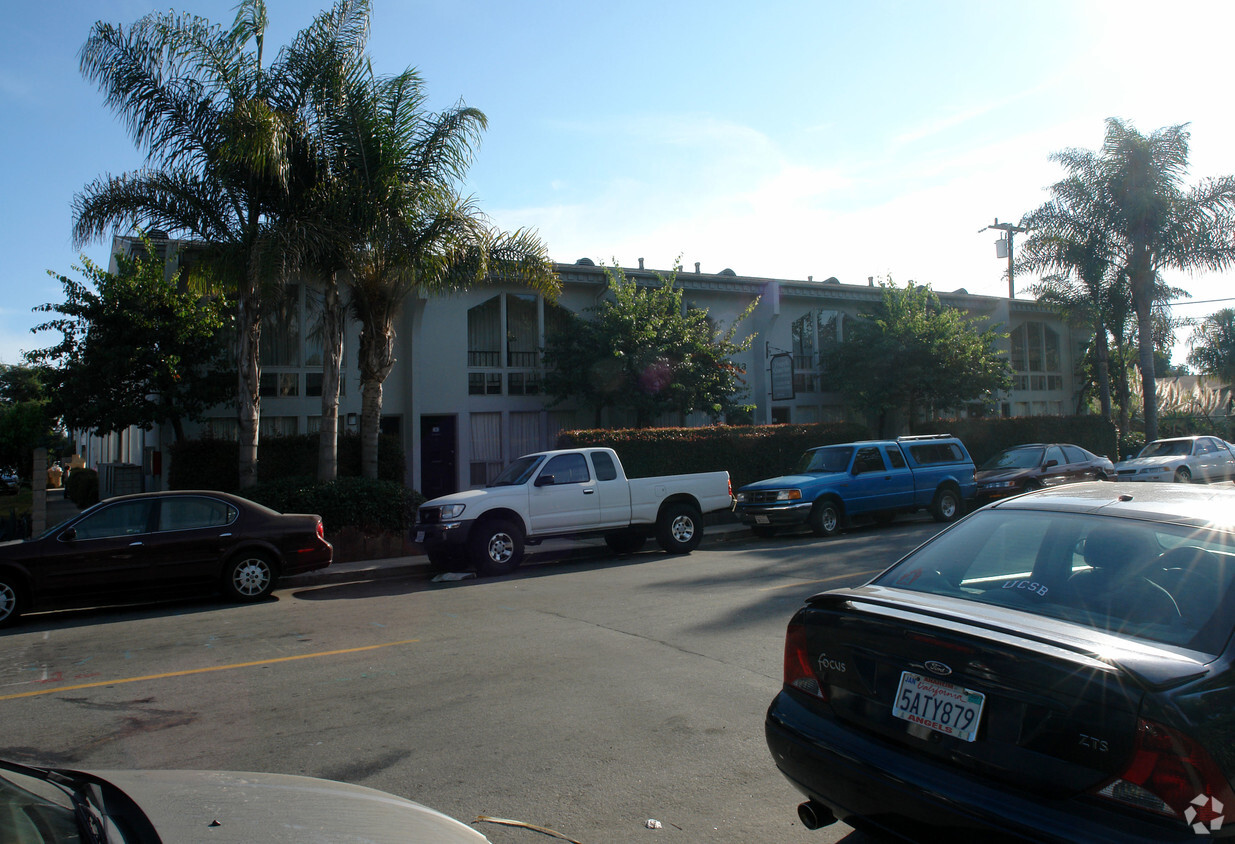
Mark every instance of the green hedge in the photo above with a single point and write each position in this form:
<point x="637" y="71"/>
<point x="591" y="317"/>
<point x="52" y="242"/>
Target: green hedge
<point x="748" y="452"/>
<point x="368" y="505"/>
<point x="751" y="453"/>
<point x="213" y="464"/>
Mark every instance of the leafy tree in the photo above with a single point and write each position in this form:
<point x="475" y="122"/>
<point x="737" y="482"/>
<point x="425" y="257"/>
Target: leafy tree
<point x="135" y="349"/>
<point x="218" y="129"/>
<point x="1212" y="346"/>
<point x="411" y="230"/>
<point x="1155" y="223"/>
<point x="642" y="351"/>
<point x="26" y="423"/>
<point x="908" y="353"/>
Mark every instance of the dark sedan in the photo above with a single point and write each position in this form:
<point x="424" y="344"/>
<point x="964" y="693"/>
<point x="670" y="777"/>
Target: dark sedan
<point x="1055" y="667"/>
<point x="155" y="545"/>
<point x="1024" y="468"/>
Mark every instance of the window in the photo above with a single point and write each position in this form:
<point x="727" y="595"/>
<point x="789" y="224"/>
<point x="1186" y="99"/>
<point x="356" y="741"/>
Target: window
<point x="128" y="518"/>
<point x="1075" y="454"/>
<point x="486" y="460"/>
<point x="193" y="513"/>
<point x="280" y="340"/>
<point x="279" y="385"/>
<point x="567" y="469"/>
<point x="896" y="458"/>
<point x="223" y="428"/>
<point x="525" y="433"/>
<point x="523" y="384"/>
<point x="277" y="426"/>
<point x="522" y="330"/>
<point x="484" y="383"/>
<point x="868" y="459"/>
<point x="926" y="455"/>
<point x="1055" y="453"/>
<point x="484" y="328"/>
<point x="603" y="463"/>
<point x="1035" y="358"/>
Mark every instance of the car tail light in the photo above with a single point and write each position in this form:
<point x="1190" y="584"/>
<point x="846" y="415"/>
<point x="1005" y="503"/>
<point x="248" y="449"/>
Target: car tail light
<point x="798" y="671"/>
<point x="1171" y="774"/>
<point x="321" y="531"/>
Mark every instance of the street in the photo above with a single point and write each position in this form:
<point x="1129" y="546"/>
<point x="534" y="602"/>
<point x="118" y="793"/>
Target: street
<point x="586" y="695"/>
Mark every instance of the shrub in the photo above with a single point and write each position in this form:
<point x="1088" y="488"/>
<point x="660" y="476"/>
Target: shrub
<point x="212" y="463"/>
<point x="82" y="487"/>
<point x="368" y="505"/>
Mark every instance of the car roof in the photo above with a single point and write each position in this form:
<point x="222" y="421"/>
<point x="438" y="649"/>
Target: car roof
<point x="1209" y="505"/>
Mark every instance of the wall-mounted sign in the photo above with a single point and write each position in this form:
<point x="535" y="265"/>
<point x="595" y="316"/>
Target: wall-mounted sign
<point x="782" y="377"/>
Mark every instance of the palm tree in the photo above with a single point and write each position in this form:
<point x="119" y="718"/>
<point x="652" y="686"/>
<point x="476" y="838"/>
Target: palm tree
<point x="1159" y="225"/>
<point x="198" y="100"/>
<point x="1212" y="346"/>
<point x="416" y="232"/>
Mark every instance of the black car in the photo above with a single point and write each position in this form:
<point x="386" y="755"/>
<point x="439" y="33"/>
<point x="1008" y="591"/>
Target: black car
<point x="1024" y="468"/>
<point x="157" y="544"/>
<point x="1054" y="667"/>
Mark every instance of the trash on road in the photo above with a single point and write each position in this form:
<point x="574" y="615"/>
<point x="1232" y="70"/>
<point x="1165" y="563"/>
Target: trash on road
<point x="448" y="576"/>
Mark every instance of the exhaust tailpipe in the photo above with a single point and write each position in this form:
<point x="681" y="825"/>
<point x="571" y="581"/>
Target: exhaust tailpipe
<point x="815" y="815"/>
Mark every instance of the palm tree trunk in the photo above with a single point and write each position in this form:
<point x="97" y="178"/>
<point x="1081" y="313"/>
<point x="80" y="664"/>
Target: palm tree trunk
<point x="248" y="327"/>
<point x="1142" y="279"/>
<point x="332" y="360"/>
<point x="1104" y="371"/>
<point x="376" y="361"/>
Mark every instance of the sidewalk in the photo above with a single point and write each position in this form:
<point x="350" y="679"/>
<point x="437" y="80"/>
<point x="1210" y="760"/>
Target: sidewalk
<point x="418" y="565"/>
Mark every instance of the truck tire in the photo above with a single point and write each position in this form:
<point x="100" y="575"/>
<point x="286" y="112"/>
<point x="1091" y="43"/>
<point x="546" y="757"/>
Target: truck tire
<point x="625" y="541"/>
<point x="679" y="530"/>
<point x="947" y="504"/>
<point x="824" y="518"/>
<point x="496" y="547"/>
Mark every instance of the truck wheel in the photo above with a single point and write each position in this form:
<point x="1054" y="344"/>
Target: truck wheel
<point x="763" y="531"/>
<point x="679" y="530"/>
<point x="496" y="547"/>
<point x="947" y="505"/>
<point x="824" y="519"/>
<point x="625" y="541"/>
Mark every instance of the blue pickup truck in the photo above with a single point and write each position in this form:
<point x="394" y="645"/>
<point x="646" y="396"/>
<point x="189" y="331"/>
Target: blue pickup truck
<point x="878" y="478"/>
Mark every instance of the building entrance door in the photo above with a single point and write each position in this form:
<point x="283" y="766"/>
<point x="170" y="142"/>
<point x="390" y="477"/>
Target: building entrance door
<point x="439" y="469"/>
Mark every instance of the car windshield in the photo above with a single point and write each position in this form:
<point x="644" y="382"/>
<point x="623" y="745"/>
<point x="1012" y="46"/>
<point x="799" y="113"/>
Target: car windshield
<point x="1167" y="448"/>
<point x="830" y="459"/>
<point x="519" y="471"/>
<point x="1015" y="458"/>
<point x="33" y="810"/>
<point x="1165" y="583"/>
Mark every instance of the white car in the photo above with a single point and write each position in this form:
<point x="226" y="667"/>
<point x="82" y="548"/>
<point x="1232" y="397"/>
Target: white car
<point x="1180" y="460"/>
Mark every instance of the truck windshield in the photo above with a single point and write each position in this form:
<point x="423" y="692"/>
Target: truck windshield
<point x="519" y="471"/>
<point x="834" y="459"/>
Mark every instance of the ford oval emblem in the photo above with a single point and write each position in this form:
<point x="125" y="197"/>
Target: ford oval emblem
<point x="936" y="667"/>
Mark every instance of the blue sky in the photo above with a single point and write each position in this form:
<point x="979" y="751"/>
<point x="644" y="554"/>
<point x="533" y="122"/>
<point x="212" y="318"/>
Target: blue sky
<point x="778" y="139"/>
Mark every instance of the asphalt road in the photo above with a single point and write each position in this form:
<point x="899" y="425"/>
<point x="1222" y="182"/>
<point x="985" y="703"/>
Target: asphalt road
<point x="585" y="695"/>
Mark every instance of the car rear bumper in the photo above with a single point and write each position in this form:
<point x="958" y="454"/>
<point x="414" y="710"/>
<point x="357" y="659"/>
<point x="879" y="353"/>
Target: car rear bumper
<point x="868" y="781"/>
<point x="303" y="560"/>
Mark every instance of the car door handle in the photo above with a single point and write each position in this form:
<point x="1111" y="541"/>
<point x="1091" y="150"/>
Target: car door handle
<point x="221" y="535"/>
<point x="136" y="544"/>
<point x="588" y="491"/>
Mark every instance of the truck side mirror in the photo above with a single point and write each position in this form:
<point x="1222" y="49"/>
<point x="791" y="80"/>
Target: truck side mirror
<point x="545" y="480"/>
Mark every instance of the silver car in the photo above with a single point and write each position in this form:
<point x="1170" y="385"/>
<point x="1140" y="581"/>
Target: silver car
<point x="1180" y="459"/>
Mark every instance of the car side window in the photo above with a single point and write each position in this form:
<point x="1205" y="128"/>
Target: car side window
<point x="1055" y="453"/>
<point x="603" y="463"/>
<point x="895" y="457"/>
<point x="127" y="518"/>
<point x="193" y="513"/>
<point x="1074" y="454"/>
<point x="869" y="459"/>
<point x="567" y="469"/>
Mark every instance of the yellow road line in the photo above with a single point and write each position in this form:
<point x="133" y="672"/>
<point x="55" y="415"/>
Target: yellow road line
<point x="190" y="671"/>
<point x="798" y="583"/>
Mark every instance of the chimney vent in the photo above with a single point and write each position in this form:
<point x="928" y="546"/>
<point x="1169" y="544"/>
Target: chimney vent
<point x="696" y="266"/>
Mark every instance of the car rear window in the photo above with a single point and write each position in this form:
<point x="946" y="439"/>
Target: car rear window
<point x="927" y="454"/>
<point x="1164" y="583"/>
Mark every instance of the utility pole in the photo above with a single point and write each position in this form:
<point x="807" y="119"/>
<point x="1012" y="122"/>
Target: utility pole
<point x="1004" y="245"/>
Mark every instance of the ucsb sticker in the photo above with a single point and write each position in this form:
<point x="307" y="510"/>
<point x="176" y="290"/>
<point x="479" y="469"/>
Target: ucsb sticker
<point x="1031" y="585"/>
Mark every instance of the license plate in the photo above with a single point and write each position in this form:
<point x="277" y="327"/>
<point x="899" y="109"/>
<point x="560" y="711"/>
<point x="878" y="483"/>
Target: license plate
<point x="940" y="706"/>
<point x="762" y="520"/>
<point x="420" y="536"/>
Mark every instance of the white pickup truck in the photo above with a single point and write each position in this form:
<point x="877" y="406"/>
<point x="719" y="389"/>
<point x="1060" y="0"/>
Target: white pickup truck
<point x="567" y="493"/>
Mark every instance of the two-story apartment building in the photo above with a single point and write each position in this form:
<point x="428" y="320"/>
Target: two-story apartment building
<point x="466" y="394"/>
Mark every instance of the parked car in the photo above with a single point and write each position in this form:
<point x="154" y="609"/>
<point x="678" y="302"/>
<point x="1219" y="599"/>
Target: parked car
<point x="879" y="478"/>
<point x="1055" y="667"/>
<point x="567" y="493"/>
<point x="224" y="807"/>
<point x="1180" y="459"/>
<point x="156" y="544"/>
<point x="1024" y="468"/>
